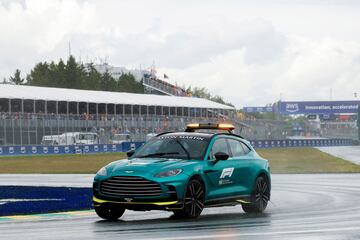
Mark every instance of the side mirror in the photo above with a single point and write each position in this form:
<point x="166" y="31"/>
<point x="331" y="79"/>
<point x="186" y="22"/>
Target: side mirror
<point x="221" y="156"/>
<point x="130" y="153"/>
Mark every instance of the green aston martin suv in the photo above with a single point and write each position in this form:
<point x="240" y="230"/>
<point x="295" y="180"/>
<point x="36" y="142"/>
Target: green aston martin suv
<point x="184" y="172"/>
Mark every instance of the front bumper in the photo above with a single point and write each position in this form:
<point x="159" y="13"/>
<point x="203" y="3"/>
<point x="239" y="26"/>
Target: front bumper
<point x="171" y="197"/>
<point x="166" y="205"/>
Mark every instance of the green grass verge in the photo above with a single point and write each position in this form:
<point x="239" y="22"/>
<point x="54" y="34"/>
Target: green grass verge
<point x="306" y="160"/>
<point x="73" y="163"/>
<point x="282" y="160"/>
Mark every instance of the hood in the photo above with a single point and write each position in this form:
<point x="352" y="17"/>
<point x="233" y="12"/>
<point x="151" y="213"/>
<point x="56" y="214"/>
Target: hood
<point x="149" y="165"/>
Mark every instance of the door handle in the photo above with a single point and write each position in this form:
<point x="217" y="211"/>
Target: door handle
<point x="210" y="171"/>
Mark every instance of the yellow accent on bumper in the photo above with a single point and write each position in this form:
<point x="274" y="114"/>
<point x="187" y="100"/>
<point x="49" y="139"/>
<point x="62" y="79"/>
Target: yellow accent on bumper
<point x="243" y="201"/>
<point x="97" y="200"/>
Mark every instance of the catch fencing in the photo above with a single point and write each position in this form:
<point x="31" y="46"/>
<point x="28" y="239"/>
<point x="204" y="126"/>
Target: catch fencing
<point x="126" y="146"/>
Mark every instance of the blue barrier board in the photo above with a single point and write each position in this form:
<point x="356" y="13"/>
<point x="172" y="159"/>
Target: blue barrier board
<point x="16" y="200"/>
<point x="124" y="147"/>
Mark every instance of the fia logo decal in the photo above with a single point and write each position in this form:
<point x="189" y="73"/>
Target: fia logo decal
<point x="227" y="172"/>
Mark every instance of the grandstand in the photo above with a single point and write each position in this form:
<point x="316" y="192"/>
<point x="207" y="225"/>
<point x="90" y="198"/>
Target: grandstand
<point x="27" y="113"/>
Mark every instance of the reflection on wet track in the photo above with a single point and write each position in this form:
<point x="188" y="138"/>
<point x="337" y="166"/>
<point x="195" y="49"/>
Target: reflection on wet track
<point x="302" y="207"/>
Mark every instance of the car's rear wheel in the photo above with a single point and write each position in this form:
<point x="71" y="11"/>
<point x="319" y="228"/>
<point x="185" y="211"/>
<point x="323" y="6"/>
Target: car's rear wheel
<point x="109" y="212"/>
<point x="194" y="200"/>
<point x="259" y="196"/>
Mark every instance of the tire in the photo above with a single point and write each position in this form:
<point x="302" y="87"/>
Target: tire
<point x="109" y="212"/>
<point x="194" y="200"/>
<point x="259" y="196"/>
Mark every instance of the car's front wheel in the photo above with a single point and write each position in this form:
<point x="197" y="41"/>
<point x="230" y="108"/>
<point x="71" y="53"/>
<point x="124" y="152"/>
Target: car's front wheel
<point x="194" y="200"/>
<point x="109" y="212"/>
<point x="259" y="196"/>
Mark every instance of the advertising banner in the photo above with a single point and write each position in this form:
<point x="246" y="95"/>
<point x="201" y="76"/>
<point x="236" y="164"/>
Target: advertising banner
<point x="258" y="109"/>
<point x="68" y="149"/>
<point x="300" y="143"/>
<point x="322" y="107"/>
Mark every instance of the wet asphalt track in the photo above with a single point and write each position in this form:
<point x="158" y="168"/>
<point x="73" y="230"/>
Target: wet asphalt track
<point x="303" y="207"/>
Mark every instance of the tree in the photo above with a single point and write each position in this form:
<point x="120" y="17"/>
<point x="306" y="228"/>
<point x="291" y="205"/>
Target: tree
<point x="17" y="80"/>
<point x="107" y="83"/>
<point x="93" y="79"/>
<point x="72" y="74"/>
<point x="127" y="83"/>
<point x="39" y="75"/>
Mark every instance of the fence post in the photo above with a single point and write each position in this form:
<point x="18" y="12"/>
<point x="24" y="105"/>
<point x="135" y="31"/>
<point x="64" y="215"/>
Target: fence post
<point x="358" y="121"/>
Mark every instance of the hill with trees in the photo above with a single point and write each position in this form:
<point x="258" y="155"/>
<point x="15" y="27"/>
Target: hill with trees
<point x="74" y="75"/>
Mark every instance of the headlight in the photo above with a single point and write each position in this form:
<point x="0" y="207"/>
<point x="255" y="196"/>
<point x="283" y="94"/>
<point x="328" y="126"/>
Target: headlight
<point x="102" y="172"/>
<point x="169" y="173"/>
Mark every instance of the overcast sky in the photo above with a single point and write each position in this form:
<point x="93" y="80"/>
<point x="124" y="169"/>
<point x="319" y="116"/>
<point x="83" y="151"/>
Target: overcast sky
<point x="250" y="52"/>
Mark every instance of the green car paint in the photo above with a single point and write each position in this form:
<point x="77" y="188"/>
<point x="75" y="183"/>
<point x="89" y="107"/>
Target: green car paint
<point x="225" y="182"/>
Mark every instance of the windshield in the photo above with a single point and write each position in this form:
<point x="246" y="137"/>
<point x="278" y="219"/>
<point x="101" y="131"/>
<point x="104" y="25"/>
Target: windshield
<point x="87" y="136"/>
<point x="48" y="142"/>
<point x="180" y="147"/>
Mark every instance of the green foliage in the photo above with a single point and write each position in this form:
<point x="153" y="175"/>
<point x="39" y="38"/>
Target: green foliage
<point x="204" y="93"/>
<point x="127" y="83"/>
<point x="77" y="76"/>
<point x="16" y="79"/>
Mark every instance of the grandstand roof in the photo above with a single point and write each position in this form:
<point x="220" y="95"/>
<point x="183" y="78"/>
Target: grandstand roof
<point x="74" y="95"/>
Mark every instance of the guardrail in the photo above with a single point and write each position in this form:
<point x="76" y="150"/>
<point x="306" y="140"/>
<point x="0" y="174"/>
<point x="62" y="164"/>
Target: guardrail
<point x="124" y="147"/>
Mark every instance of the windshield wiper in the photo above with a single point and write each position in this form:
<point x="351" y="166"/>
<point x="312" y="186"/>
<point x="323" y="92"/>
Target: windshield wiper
<point x="158" y="154"/>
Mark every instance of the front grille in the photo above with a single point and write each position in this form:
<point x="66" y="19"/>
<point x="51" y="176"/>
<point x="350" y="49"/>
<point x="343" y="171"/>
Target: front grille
<point x="130" y="186"/>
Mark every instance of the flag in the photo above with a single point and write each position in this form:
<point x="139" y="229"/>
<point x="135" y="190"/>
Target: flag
<point x="165" y="76"/>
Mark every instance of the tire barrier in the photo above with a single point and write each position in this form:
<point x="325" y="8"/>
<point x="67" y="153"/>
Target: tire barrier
<point x="15" y="200"/>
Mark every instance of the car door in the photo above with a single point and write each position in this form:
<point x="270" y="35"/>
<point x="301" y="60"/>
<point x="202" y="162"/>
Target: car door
<point x="219" y="174"/>
<point x="243" y="162"/>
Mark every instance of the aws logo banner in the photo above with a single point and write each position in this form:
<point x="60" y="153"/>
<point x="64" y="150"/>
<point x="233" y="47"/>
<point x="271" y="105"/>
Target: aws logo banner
<point x="292" y="107"/>
<point x="318" y="107"/>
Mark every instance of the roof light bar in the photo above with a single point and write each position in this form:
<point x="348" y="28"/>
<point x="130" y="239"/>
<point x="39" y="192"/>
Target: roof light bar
<point x="221" y="126"/>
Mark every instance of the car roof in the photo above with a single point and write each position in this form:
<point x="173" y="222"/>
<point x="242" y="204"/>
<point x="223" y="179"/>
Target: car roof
<point x="204" y="135"/>
<point x="198" y="134"/>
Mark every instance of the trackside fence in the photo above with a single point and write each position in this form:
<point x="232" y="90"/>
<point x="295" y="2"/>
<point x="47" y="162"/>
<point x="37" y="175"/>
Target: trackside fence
<point x="301" y="143"/>
<point x="124" y="147"/>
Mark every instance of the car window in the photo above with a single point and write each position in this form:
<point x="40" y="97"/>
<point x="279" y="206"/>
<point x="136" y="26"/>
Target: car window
<point x="245" y="147"/>
<point x="236" y="149"/>
<point x="220" y="145"/>
<point x="178" y="146"/>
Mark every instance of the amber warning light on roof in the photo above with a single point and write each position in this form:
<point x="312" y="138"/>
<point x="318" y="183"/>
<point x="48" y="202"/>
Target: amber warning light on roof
<point x="220" y="126"/>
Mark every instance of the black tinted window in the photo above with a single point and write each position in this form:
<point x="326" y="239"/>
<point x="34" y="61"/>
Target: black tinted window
<point x="236" y="148"/>
<point x="175" y="146"/>
<point x="220" y="145"/>
<point x="246" y="148"/>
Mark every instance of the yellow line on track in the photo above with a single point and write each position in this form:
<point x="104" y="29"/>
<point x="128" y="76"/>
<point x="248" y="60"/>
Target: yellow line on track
<point x="47" y="215"/>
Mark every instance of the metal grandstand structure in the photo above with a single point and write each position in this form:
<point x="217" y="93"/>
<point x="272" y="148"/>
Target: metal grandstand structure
<point x="27" y="113"/>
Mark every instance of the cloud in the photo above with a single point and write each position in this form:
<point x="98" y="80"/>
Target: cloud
<point x="247" y="52"/>
<point x="32" y="30"/>
<point x="306" y="70"/>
